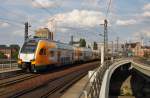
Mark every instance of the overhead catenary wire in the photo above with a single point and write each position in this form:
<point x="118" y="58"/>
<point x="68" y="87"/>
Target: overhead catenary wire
<point x="11" y="20"/>
<point x="20" y="26"/>
<point x="108" y="8"/>
<point x="14" y="13"/>
<point x="39" y="4"/>
<point x="14" y="23"/>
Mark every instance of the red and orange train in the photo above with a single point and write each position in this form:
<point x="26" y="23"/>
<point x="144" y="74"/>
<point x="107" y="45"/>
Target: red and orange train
<point x="37" y="54"/>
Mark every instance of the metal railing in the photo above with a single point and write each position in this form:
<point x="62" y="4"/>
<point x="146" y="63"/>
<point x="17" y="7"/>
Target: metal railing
<point x="6" y="64"/>
<point x="92" y="89"/>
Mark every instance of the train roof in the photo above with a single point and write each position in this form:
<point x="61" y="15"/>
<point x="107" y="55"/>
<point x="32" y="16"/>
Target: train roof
<point x="60" y="45"/>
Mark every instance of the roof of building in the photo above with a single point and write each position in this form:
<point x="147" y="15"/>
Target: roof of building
<point x="133" y="45"/>
<point x="146" y="47"/>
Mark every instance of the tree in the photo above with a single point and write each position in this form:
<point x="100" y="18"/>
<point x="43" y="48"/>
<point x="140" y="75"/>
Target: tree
<point x="2" y="55"/>
<point x="95" y="47"/>
<point x="89" y="46"/>
<point x="15" y="55"/>
<point x="82" y="43"/>
<point x="15" y="52"/>
<point x="15" y="46"/>
<point x="146" y="54"/>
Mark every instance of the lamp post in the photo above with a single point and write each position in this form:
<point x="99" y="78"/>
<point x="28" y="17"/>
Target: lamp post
<point x="105" y="35"/>
<point x="102" y="52"/>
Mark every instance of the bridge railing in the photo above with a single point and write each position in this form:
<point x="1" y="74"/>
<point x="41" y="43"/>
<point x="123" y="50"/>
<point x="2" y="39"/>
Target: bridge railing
<point x="6" y="64"/>
<point x="92" y="89"/>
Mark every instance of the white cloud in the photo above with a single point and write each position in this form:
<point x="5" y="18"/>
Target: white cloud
<point x="146" y="33"/>
<point x="63" y="30"/>
<point x="142" y="33"/>
<point x="147" y="6"/>
<point x="45" y="3"/>
<point x="3" y="24"/>
<point x="146" y="14"/>
<point x="19" y="33"/>
<point x="92" y="2"/>
<point x="125" y="22"/>
<point x="79" y="18"/>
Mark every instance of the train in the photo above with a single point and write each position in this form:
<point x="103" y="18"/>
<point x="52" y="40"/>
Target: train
<point x="39" y="54"/>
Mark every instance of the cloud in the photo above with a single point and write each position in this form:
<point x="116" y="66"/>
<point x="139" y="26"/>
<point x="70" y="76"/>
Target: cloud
<point x="125" y="22"/>
<point x="142" y="33"/>
<point x="92" y="2"/>
<point x="45" y="3"/>
<point x="147" y="6"/>
<point x="146" y="14"/>
<point x="3" y="24"/>
<point x="19" y="33"/>
<point x="79" y="18"/>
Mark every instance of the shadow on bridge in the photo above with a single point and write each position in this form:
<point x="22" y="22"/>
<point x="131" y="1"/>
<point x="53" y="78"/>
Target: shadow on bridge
<point x="125" y="83"/>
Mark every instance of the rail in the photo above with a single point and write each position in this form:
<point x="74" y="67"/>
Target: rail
<point x="92" y="89"/>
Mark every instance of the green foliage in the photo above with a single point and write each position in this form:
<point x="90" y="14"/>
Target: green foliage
<point x="95" y="47"/>
<point x="146" y="54"/>
<point x="89" y="47"/>
<point x="15" y="46"/>
<point x="15" y="54"/>
<point x="82" y="43"/>
<point x="2" y="56"/>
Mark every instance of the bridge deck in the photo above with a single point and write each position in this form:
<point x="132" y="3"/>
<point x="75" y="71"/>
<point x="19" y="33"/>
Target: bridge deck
<point x="121" y="97"/>
<point x="76" y="89"/>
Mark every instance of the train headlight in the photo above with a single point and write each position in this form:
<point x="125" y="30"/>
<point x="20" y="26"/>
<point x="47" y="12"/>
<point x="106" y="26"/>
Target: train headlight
<point x="19" y="61"/>
<point x="33" y="62"/>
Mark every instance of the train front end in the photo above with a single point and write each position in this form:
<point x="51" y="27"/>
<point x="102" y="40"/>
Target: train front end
<point x="26" y="57"/>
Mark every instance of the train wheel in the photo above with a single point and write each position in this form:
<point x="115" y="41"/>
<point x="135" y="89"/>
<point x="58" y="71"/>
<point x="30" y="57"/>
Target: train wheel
<point x="28" y="70"/>
<point x="33" y="68"/>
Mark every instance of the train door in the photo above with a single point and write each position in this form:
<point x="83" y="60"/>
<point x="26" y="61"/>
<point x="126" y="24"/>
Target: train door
<point x="72" y="56"/>
<point x="59" y="57"/>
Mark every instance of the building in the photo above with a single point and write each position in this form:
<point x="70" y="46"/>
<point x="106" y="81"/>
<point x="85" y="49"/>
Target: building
<point x="7" y="51"/>
<point x="44" y="33"/>
<point x="136" y="49"/>
<point x="146" y="50"/>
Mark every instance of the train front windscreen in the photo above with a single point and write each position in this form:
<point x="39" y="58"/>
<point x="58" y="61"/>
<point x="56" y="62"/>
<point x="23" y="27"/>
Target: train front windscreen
<point x="29" y="47"/>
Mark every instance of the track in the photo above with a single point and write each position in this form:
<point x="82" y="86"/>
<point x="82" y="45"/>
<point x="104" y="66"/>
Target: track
<point x="18" y="78"/>
<point x="51" y="84"/>
<point x="2" y="77"/>
<point x="52" y="88"/>
<point x="9" y="74"/>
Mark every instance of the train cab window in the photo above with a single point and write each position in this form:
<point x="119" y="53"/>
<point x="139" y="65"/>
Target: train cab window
<point x="29" y="47"/>
<point x="52" y="53"/>
<point x="42" y="51"/>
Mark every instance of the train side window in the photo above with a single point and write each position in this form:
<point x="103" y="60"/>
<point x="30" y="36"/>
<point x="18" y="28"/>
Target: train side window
<point x="42" y="51"/>
<point x="52" y="53"/>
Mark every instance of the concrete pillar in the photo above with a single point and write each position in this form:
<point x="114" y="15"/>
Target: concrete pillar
<point x="102" y="55"/>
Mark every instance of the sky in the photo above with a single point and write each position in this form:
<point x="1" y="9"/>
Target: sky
<point x="127" y="19"/>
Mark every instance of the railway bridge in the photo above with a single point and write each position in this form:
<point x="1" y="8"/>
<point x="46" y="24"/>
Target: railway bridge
<point x="101" y="78"/>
